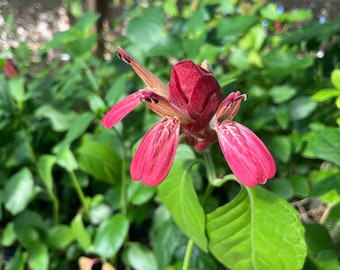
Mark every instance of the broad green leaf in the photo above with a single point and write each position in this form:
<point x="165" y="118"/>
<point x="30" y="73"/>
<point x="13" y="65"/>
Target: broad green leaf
<point x="18" y="191"/>
<point x="80" y="30"/>
<point x="301" y="107"/>
<point x="239" y="58"/>
<point x="284" y="62"/>
<point x="61" y="121"/>
<point x="148" y="29"/>
<point x="140" y="257"/>
<point x="85" y="23"/>
<point x="66" y="159"/>
<point x="8" y="235"/>
<point x="230" y="29"/>
<point x="254" y="39"/>
<point x="177" y="193"/>
<point x="196" y="23"/>
<point x="298" y="15"/>
<point x="22" y="152"/>
<point x="335" y="78"/>
<point x="17" y="262"/>
<point x="76" y="9"/>
<point x="282" y="93"/>
<point x="45" y="165"/>
<point x="325" y="94"/>
<point x="337" y="102"/>
<point x="257" y="230"/>
<point x="327" y="189"/>
<point x="282" y="187"/>
<point x="17" y="89"/>
<point x="79" y="47"/>
<point x="80" y="233"/>
<point x="39" y="257"/>
<point x="281" y="148"/>
<point x="110" y="236"/>
<point x="139" y="193"/>
<point x="282" y="116"/>
<point x="77" y="129"/>
<point x="321" y="251"/>
<point x="117" y="90"/>
<point x="166" y="238"/>
<point x="300" y="185"/>
<point x="171" y="7"/>
<point x="100" y="160"/>
<point x="29" y="228"/>
<point x="270" y="12"/>
<point x="59" y="237"/>
<point x="96" y="103"/>
<point x="324" y="143"/>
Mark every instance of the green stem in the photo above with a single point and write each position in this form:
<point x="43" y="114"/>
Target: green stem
<point x="90" y="76"/>
<point x="211" y="175"/>
<point x="79" y="191"/>
<point x="209" y="165"/>
<point x="123" y="196"/>
<point x="187" y="256"/>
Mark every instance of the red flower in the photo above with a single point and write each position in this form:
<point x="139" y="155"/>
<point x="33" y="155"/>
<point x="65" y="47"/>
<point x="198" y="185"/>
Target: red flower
<point x="10" y="69"/>
<point x="192" y="104"/>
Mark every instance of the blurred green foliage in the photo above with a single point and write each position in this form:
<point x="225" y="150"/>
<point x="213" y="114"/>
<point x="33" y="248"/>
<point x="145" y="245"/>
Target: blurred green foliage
<point x="65" y="188"/>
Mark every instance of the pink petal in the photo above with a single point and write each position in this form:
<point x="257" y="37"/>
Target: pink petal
<point x="156" y="152"/>
<point x="147" y="76"/>
<point x="247" y="156"/>
<point x="121" y="109"/>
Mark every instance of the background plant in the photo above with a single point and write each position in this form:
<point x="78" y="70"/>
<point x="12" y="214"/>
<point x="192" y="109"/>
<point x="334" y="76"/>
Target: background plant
<point x="64" y="184"/>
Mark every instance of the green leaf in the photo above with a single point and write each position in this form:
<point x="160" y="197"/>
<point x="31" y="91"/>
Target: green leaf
<point x="301" y="107"/>
<point x="281" y="148"/>
<point x="257" y="230"/>
<point x="17" y="262"/>
<point x="79" y="47"/>
<point x="61" y="121"/>
<point x="59" y="237"/>
<point x="17" y="89"/>
<point x="178" y="195"/>
<point x="230" y="29"/>
<point x="66" y="159"/>
<point x="139" y="193"/>
<point x="18" y="192"/>
<point x="282" y="116"/>
<point x="284" y="62"/>
<point x="45" y="165"/>
<point x="140" y="257"/>
<point x="321" y="251"/>
<point x="325" y="94"/>
<point x="29" y="228"/>
<point x="298" y="15"/>
<point x="147" y="30"/>
<point x="100" y="160"/>
<point x="39" y="257"/>
<point x="111" y="235"/>
<point x="270" y="12"/>
<point x="77" y="129"/>
<point x="300" y="185"/>
<point x="80" y="233"/>
<point x="8" y="235"/>
<point x="167" y="238"/>
<point x="335" y="78"/>
<point x="323" y="143"/>
<point x="282" y="187"/>
<point x="327" y="189"/>
<point x="282" y="93"/>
